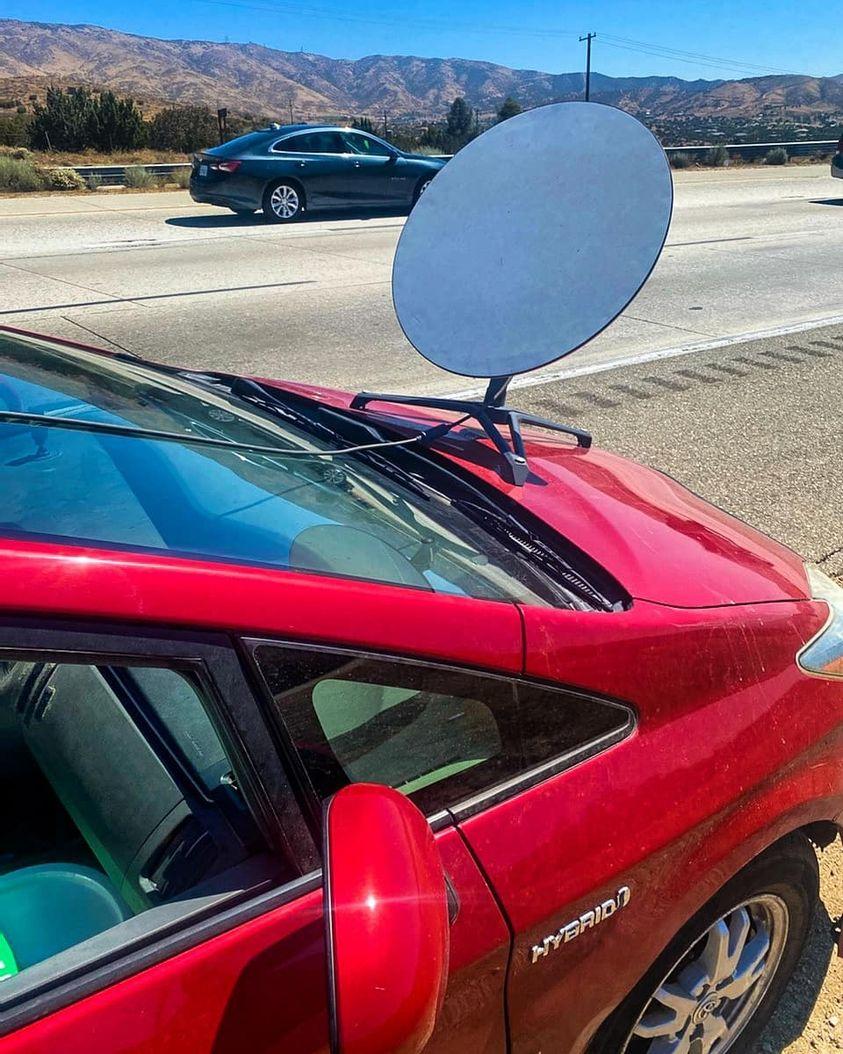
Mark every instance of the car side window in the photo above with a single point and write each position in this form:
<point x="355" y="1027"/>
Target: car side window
<point x="437" y="734"/>
<point x="312" y="143"/>
<point x="364" y="144"/>
<point x="119" y="796"/>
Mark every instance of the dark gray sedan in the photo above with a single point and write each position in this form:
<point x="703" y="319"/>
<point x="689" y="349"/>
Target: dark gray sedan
<point x="285" y="169"/>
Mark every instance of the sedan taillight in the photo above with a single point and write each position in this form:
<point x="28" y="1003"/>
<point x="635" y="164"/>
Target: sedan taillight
<point x="227" y="166"/>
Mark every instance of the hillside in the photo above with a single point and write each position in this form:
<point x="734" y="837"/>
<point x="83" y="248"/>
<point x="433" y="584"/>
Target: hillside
<point x="265" y="81"/>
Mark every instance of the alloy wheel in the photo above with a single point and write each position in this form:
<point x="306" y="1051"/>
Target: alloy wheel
<point x="284" y="202"/>
<point x="708" y="998"/>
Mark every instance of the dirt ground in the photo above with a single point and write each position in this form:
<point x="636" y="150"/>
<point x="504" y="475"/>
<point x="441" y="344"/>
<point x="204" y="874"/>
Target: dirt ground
<point x="810" y="1016"/>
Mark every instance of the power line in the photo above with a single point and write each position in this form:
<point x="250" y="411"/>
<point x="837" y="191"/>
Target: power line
<point x="425" y="23"/>
<point x="694" y="57"/>
<point x="621" y="43"/>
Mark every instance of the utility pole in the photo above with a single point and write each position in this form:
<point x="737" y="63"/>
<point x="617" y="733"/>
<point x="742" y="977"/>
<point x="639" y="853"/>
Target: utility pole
<point x="588" y="39"/>
<point x="290" y="101"/>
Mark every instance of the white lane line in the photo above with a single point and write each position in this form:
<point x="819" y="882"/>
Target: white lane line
<point x="532" y="380"/>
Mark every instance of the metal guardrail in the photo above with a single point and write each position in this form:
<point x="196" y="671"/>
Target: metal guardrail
<point x="750" y="151"/>
<point x="114" y="175"/>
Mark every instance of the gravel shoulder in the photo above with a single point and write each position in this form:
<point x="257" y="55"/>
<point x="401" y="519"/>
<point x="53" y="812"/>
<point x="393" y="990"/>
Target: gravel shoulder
<point x="810" y="1016"/>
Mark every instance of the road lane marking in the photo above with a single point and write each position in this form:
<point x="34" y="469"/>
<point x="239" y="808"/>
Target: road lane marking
<point x="533" y="380"/>
<point x="712" y="241"/>
<point x="154" y="296"/>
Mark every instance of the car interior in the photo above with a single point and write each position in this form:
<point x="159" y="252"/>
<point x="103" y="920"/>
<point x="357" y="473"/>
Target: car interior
<point x="118" y="796"/>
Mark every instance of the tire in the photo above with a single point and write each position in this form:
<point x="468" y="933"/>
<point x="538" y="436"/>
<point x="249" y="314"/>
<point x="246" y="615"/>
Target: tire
<point x="421" y="187"/>
<point x="283" y="202"/>
<point x="785" y="878"/>
<point x="242" y="212"/>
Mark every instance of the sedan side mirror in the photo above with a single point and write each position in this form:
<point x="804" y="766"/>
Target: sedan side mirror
<point x="386" y="919"/>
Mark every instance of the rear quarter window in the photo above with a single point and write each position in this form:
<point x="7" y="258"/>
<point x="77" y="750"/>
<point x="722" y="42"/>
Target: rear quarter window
<point x="437" y="734"/>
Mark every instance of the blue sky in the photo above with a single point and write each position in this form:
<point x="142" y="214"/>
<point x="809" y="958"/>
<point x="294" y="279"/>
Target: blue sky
<point x="635" y="37"/>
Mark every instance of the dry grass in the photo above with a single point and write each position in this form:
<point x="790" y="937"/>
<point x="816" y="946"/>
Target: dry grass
<point x="91" y="157"/>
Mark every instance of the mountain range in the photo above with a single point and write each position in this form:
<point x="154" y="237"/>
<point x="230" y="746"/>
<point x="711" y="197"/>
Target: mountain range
<point x="252" y="78"/>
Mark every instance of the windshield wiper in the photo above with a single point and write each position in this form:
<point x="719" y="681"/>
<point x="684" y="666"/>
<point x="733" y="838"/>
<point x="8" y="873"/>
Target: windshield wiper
<point x="525" y="542"/>
<point x="308" y="415"/>
<point x="507" y="528"/>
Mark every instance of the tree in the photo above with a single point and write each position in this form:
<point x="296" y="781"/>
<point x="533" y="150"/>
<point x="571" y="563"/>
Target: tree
<point x="75" y="120"/>
<point x="509" y="108"/>
<point x="183" y="129"/>
<point x="117" y="124"/>
<point x="460" y="121"/>
<point x="63" y="122"/>
<point x="364" y="124"/>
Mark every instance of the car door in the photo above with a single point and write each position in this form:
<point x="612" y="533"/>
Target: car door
<point x="320" y="161"/>
<point x="165" y="798"/>
<point x="380" y="176"/>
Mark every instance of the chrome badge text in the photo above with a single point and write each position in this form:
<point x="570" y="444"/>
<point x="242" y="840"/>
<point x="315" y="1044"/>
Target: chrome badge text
<point x="588" y="920"/>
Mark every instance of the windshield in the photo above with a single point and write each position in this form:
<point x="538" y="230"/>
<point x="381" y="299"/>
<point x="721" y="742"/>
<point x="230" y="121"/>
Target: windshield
<point x="327" y="514"/>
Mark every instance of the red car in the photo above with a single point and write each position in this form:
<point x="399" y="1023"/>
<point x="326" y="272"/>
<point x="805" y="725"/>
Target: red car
<point x="558" y="752"/>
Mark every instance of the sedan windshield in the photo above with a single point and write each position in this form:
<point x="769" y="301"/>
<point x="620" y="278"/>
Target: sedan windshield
<point x="304" y="508"/>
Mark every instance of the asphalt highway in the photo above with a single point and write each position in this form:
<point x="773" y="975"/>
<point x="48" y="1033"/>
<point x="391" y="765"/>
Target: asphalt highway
<point x="749" y="250"/>
<point x="726" y="371"/>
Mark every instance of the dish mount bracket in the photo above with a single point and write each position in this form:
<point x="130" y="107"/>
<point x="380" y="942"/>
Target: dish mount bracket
<point x="489" y="413"/>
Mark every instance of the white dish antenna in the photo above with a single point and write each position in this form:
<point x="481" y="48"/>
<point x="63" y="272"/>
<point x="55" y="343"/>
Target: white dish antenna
<point x="527" y="244"/>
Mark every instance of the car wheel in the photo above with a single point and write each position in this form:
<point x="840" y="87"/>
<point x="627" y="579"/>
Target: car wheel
<point x="421" y="188"/>
<point x="717" y="984"/>
<point x="283" y="203"/>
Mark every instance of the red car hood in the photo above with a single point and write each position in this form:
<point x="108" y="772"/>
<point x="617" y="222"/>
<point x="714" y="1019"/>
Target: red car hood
<point x="662" y="543"/>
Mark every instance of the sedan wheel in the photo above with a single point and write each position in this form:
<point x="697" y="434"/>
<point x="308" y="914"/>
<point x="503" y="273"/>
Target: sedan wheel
<point x="421" y="188"/>
<point x="282" y="203"/>
<point x="704" y="1003"/>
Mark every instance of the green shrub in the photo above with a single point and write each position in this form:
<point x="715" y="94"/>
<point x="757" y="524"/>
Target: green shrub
<point x="183" y="128"/>
<point x="717" y="156"/>
<point x="16" y="174"/>
<point x="137" y="177"/>
<point x="93" y="181"/>
<point x="19" y="153"/>
<point x="14" y="130"/>
<point x="65" y="179"/>
<point x="680" y="161"/>
<point x="776" y="156"/>
<point x="181" y="177"/>
<point x="76" y="119"/>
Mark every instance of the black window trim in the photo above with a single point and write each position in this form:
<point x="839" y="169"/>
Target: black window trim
<point x="162" y="932"/>
<point x="475" y="803"/>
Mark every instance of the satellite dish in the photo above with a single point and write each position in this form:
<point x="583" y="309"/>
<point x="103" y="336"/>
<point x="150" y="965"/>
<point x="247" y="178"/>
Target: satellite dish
<point x="524" y="247"/>
<point x="532" y="239"/>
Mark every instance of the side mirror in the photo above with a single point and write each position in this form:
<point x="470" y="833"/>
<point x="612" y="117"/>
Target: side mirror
<point x="386" y="920"/>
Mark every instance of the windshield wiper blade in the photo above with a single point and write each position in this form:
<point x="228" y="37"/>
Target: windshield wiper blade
<point x="289" y="405"/>
<point x="81" y="424"/>
<point x="524" y="541"/>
